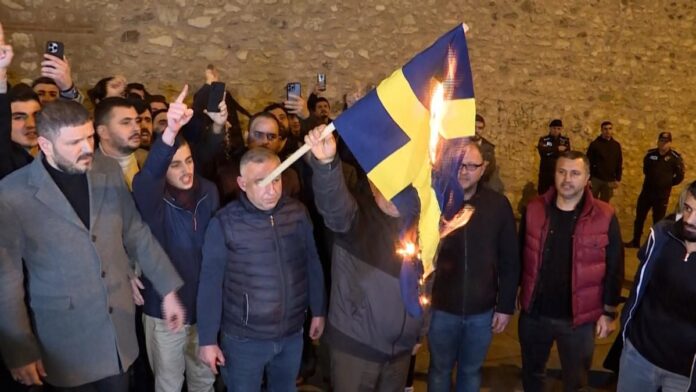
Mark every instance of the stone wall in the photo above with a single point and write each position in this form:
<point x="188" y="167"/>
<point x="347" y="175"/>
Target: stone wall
<point x="630" y="61"/>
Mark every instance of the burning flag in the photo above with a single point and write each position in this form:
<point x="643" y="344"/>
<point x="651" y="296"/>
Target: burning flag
<point x="401" y="132"/>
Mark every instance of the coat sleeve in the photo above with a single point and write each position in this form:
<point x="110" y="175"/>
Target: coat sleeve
<point x="678" y="171"/>
<point x="331" y="195"/>
<point x="508" y="262"/>
<point x="141" y="245"/>
<point x="18" y="345"/>
<point x="317" y="294"/>
<point x="209" y="299"/>
<point x="6" y="166"/>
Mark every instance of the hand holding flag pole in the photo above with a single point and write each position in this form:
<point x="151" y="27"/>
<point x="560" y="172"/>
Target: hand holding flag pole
<point x="295" y="156"/>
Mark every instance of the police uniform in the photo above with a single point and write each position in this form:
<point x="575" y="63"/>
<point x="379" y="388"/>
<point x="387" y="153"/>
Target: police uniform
<point x="662" y="172"/>
<point x="548" y="152"/>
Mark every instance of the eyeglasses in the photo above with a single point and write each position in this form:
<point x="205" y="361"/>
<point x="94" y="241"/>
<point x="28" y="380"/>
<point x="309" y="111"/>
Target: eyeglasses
<point x="263" y="135"/>
<point x="470" y="167"/>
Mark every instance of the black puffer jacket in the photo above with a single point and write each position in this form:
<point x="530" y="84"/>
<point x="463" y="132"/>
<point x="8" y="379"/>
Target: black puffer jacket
<point x="261" y="269"/>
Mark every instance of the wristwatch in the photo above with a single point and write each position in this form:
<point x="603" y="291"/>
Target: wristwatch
<point x="611" y="315"/>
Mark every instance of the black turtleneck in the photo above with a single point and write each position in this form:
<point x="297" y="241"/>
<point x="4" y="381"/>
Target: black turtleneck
<point x="75" y="189"/>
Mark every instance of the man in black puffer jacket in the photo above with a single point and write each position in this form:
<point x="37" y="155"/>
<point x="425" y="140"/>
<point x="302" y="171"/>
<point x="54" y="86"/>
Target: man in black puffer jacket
<point x="260" y="270"/>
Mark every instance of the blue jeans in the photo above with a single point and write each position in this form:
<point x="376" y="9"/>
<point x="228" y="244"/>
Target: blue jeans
<point x="638" y="374"/>
<point x="246" y="359"/>
<point x="460" y="339"/>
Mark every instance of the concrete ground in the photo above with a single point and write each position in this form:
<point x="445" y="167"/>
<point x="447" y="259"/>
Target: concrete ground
<point x="501" y="371"/>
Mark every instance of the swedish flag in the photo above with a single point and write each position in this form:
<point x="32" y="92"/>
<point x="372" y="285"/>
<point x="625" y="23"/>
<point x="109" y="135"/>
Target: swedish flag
<point x="388" y="131"/>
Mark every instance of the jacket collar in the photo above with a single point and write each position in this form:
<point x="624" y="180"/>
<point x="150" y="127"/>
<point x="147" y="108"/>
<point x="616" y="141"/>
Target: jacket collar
<point x="48" y="193"/>
<point x="246" y="203"/>
<point x="587" y="200"/>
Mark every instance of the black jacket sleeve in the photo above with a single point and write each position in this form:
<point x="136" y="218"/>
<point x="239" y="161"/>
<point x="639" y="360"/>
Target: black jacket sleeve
<point x="508" y="262"/>
<point x="614" y="274"/>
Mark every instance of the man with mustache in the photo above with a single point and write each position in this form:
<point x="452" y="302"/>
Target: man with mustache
<point x="116" y="123"/>
<point x="658" y="321"/>
<point x="69" y="228"/>
<point x="572" y="270"/>
<point x="177" y="204"/>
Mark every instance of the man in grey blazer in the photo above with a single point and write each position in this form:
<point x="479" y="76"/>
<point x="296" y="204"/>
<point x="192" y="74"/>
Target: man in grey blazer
<point x="69" y="225"/>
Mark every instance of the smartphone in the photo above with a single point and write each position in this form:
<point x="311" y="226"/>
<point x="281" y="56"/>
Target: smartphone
<point x="55" y="48"/>
<point x="321" y="81"/>
<point x="294" y="88"/>
<point x="217" y="92"/>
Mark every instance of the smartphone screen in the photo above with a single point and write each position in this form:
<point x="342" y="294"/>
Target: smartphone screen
<point x="55" y="48"/>
<point x="217" y="92"/>
<point x="321" y="81"/>
<point x="294" y="88"/>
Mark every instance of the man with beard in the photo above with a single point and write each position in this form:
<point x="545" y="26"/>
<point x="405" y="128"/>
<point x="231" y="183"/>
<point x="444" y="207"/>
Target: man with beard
<point x="144" y="120"/>
<point x="116" y="122"/>
<point x="572" y="270"/>
<point x="69" y="227"/>
<point x="322" y="110"/>
<point x="658" y="321"/>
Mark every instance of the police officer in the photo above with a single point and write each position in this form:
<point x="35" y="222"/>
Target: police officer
<point x="550" y="147"/>
<point x="663" y="168"/>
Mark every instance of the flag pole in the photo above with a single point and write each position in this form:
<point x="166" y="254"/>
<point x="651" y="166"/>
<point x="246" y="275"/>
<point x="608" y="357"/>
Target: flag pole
<point x="295" y="156"/>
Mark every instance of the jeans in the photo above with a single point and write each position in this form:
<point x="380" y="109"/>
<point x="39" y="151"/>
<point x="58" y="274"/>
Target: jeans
<point x="575" y="349"/>
<point x="463" y="340"/>
<point x="246" y="359"/>
<point x="638" y="374"/>
<point x="172" y="354"/>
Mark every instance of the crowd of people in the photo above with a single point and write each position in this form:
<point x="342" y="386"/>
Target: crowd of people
<point x="141" y="250"/>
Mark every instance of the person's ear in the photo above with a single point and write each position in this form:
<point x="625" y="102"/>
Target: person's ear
<point x="241" y="183"/>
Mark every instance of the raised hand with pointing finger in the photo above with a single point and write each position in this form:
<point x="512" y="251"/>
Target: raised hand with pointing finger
<point x="178" y="115"/>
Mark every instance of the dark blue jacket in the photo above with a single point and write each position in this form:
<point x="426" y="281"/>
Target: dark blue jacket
<point x="648" y="256"/>
<point x="179" y="231"/>
<point x="260" y="271"/>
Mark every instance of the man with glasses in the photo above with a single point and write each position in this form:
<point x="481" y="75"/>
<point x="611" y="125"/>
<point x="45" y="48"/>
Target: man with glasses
<point x="663" y="168"/>
<point x="572" y="270"/>
<point x="475" y="282"/>
<point x="264" y="131"/>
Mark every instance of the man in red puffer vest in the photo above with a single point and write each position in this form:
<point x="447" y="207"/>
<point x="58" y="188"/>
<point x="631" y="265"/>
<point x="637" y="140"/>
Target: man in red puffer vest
<point x="572" y="270"/>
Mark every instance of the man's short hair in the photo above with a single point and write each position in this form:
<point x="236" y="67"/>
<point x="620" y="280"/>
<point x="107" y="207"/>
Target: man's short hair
<point x="265" y="115"/>
<point x="22" y="93"/>
<point x="257" y="155"/>
<point x="605" y="123"/>
<point x="692" y="189"/>
<point x="274" y="106"/>
<point x="43" y="80"/>
<point x="102" y="113"/>
<point x="480" y="118"/>
<point x="137" y="86"/>
<point x="140" y="105"/>
<point x="556" y="123"/>
<point x="575" y="155"/>
<point x="59" y="114"/>
<point x="321" y="99"/>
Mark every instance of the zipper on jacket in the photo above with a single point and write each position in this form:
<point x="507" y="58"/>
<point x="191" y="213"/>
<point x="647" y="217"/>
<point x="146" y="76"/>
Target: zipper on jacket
<point x="194" y="214"/>
<point x="283" y="287"/>
<point x="466" y="270"/>
<point x="245" y="319"/>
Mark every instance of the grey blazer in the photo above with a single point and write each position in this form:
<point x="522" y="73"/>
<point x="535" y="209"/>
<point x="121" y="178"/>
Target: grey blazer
<point x="80" y="315"/>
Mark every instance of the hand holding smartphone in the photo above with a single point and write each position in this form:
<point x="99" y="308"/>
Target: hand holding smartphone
<point x="293" y="88"/>
<point x="55" y="48"/>
<point x="217" y="92"/>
